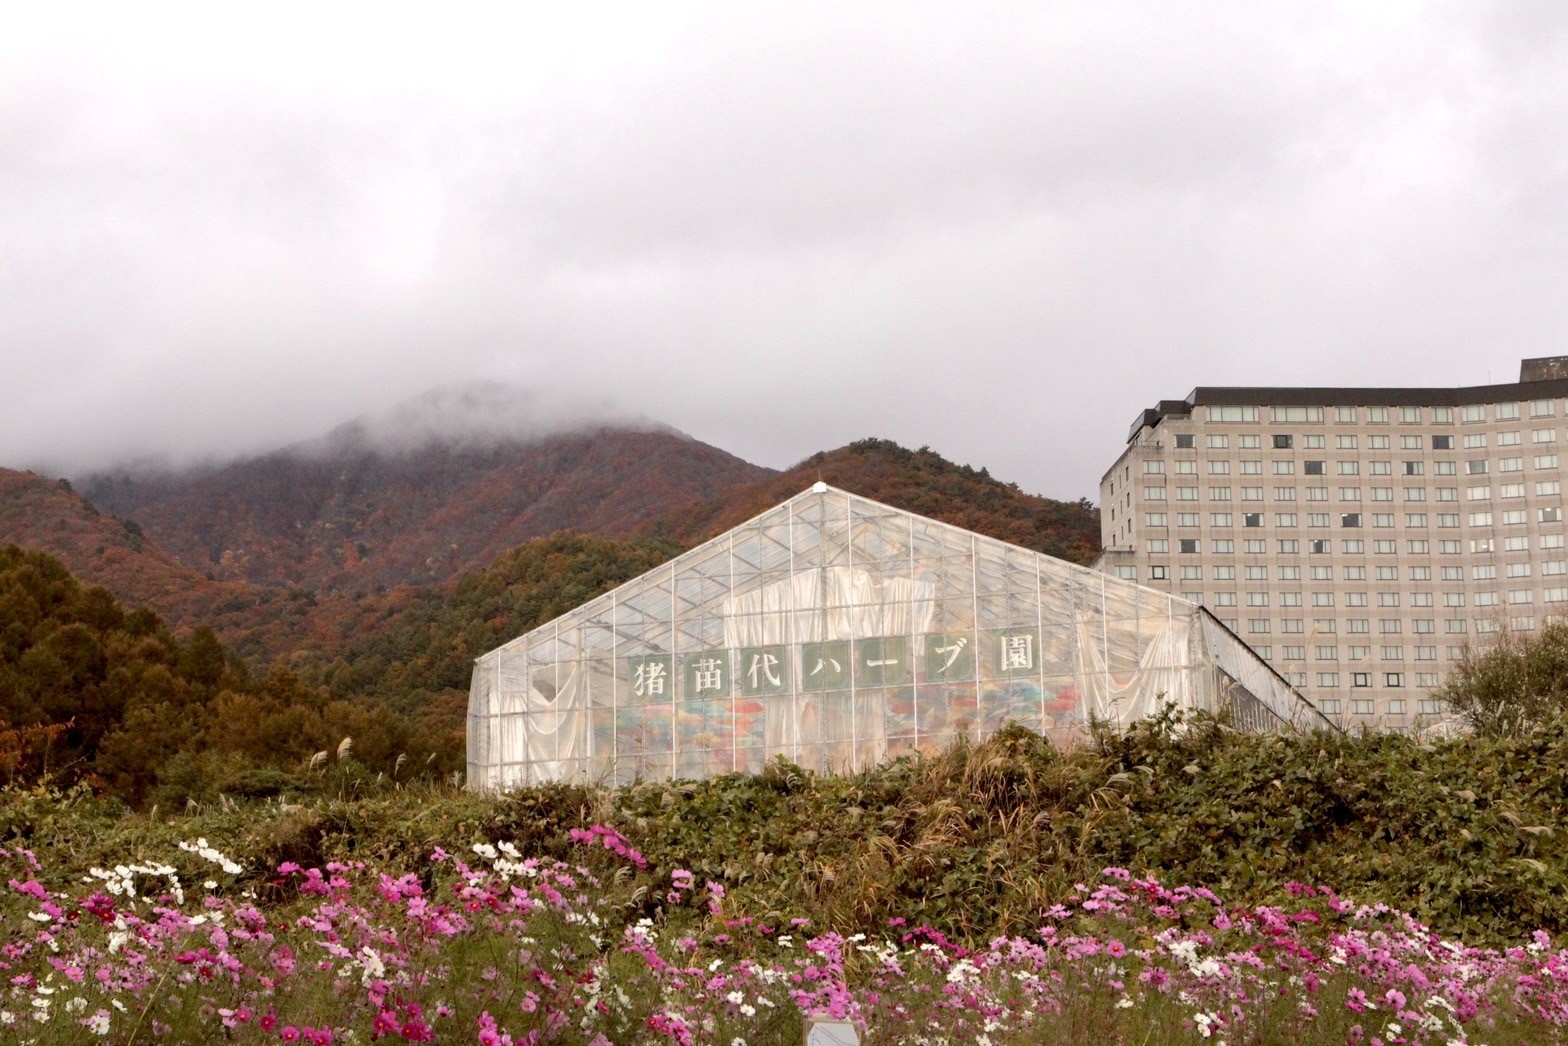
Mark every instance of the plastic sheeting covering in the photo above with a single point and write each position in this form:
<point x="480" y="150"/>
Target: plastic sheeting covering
<point x="837" y="632"/>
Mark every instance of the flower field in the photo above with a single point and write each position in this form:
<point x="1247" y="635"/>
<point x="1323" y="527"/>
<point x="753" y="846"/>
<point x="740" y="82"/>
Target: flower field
<point x="491" y="945"/>
<point x="1176" y="884"/>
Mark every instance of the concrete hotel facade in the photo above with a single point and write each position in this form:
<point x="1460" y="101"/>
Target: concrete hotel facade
<point x="1356" y="538"/>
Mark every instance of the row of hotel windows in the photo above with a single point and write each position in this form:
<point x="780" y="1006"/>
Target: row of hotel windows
<point x="1515" y="596"/>
<point x="1544" y="489"/>
<point x="1333" y="706"/>
<point x="1347" y="467"/>
<point x="1380" y="520"/>
<point x="1351" y="546"/>
<point x="1361" y="626"/>
<point x="1313" y="547"/>
<point x="1357" y="653"/>
<point x="1313" y="441"/>
<point x="1468" y="414"/>
<point x="1356" y="572"/>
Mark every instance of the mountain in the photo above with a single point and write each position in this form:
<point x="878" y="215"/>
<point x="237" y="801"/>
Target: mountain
<point x="920" y="481"/>
<point x="433" y="489"/>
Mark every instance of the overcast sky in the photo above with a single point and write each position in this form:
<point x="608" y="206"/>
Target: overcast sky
<point x="997" y="229"/>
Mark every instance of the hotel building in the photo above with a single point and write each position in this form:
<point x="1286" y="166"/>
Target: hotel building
<point x="1356" y="538"/>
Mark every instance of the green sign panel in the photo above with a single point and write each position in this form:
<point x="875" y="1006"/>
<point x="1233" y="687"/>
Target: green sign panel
<point x="707" y="674"/>
<point x="950" y="658"/>
<point x="825" y="666"/>
<point x="652" y="678"/>
<point x="764" y="670"/>
<point x="882" y="661"/>
<point x="1017" y="651"/>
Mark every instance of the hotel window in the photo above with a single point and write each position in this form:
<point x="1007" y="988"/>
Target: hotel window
<point x="1415" y="519"/>
<point x="1556" y="595"/>
<point x="1257" y="599"/>
<point x="1254" y="546"/>
<point x="1324" y="625"/>
<point x="1415" y="493"/>
<point x="1186" y="519"/>
<point x="1218" y="442"/>
<point x="1388" y="599"/>
<point x="1317" y="493"/>
<point x="1382" y="519"/>
<point x="1554" y="514"/>
<point x="1252" y="493"/>
<point x="1377" y="442"/>
<point x="1219" y="493"/>
<point x="1282" y="441"/>
<point x="1252" y="519"/>
<point x="1257" y="573"/>
<point x="1511" y="490"/>
<point x="1312" y="442"/>
<point x="1186" y="468"/>
<point x="1443" y="493"/>
<point x="1554" y="567"/>
<point x="1220" y="519"/>
<point x="1361" y="679"/>
<point x="1233" y="414"/>
<point x="1453" y="599"/>
<point x="1159" y="545"/>
<point x="1345" y="415"/>
<point x="1225" y="573"/>
<point x="1349" y="468"/>
<point x="1540" y="408"/>
<point x="1359" y="626"/>
<point x="1290" y="599"/>
<point x="1483" y="571"/>
<point x="1389" y="626"/>
<point x="1284" y="468"/>
<point x="1382" y="468"/>
<point x="1382" y="493"/>
<point x="1518" y="570"/>
<point x="1315" y="468"/>
<point x="1551" y="541"/>
<point x="1393" y="653"/>
<point x="1445" y="468"/>
<point x="1410" y="415"/>
<point x="1350" y="493"/>
<point x="1355" y="599"/>
<point x="1475" y="441"/>
<point x="1443" y="415"/>
<point x="1153" y="467"/>
<point x="1186" y="493"/>
<point x="1185" y="442"/>
<point x="1353" y="546"/>
<point x="1507" y="412"/>
<point x="1511" y="465"/>
<point x="1523" y="623"/>
<point x="1472" y="412"/>
<point x="1486" y="599"/>
<point x="1478" y="493"/>
<point x="1258" y="625"/>
<point x="1543" y="435"/>
<point x="1252" y="467"/>
<point x="1548" y="488"/>
<point x="1448" y="547"/>
<point x="1476" y="467"/>
<point x="1421" y="574"/>
<point x="1316" y="546"/>
<point x="1448" y="519"/>
<point x="1383" y="547"/>
<point x="1295" y="653"/>
<point x="1154" y="493"/>
<point x="1292" y="626"/>
<point x="1418" y="546"/>
<point x="1350" y="519"/>
<point x="1421" y="599"/>
<point x="1386" y="573"/>
<point x="1427" y="706"/>
<point x="1191" y="573"/>
<point x="1377" y="415"/>
<point x="1127" y="573"/>
<point x="1345" y="442"/>
<point x="1224" y="599"/>
<point x="1154" y="519"/>
<point x="1356" y="573"/>
<point x="1515" y="516"/>
<point x="1442" y="443"/>
<point x="1307" y="414"/>
<point x="1546" y="461"/>
<point x="1290" y="573"/>
<point x="1284" y="493"/>
<point x="1219" y="468"/>
<point x="1322" y="599"/>
<point x="1186" y="545"/>
<point x="1509" y="439"/>
<point x="1283" y="519"/>
<point x="1291" y="547"/>
<point x="1517" y="596"/>
<point x="1409" y="442"/>
<point x="1224" y="546"/>
<point x="1325" y="653"/>
<point x="1426" y="653"/>
<point x="1158" y="573"/>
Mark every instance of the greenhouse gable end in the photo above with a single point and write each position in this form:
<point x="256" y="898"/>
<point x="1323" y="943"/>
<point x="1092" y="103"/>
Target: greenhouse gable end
<point x="838" y="632"/>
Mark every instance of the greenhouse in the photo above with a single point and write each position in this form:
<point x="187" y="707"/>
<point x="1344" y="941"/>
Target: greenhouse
<point x="838" y="632"/>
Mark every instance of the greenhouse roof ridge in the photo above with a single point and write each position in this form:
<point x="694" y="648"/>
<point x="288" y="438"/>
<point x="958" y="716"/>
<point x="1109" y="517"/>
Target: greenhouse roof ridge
<point x="819" y="489"/>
